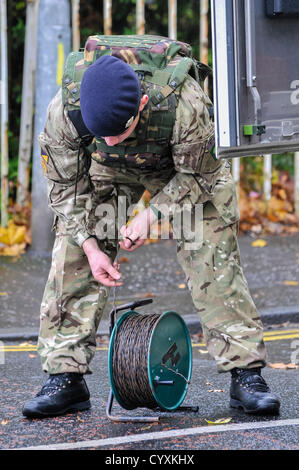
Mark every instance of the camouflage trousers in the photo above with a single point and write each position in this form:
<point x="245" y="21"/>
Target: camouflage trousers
<point x="73" y="301"/>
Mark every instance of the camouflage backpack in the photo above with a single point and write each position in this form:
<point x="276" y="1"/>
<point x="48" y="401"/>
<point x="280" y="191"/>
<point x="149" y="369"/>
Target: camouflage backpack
<point x="162" y="66"/>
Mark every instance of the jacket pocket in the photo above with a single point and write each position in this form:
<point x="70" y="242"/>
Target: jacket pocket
<point x="50" y="170"/>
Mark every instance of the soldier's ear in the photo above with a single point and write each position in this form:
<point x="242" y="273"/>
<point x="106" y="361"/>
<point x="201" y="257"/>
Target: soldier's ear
<point x="143" y="102"/>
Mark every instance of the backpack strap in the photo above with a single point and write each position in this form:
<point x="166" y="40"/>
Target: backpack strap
<point x="176" y="80"/>
<point x="86" y="141"/>
<point x="203" y="70"/>
<point x="186" y="66"/>
<point x="75" y="116"/>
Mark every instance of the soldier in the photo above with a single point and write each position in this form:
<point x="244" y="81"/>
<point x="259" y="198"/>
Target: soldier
<point x="148" y="135"/>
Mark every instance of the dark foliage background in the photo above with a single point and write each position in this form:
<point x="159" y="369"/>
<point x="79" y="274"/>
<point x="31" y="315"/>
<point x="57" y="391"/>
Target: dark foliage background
<point x="156" y="18"/>
<point x="92" y="21"/>
<point x="124" y="19"/>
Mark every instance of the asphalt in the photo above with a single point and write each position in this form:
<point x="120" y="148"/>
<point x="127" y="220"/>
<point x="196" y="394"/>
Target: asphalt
<point x="152" y="271"/>
<point x="21" y="377"/>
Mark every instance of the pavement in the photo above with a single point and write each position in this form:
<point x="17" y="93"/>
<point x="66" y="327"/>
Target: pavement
<point x="153" y="272"/>
<point x="21" y="377"/>
<point x="272" y="273"/>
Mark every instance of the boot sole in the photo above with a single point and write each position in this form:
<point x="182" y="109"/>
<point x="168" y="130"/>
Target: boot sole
<point x="81" y="406"/>
<point x="271" y="409"/>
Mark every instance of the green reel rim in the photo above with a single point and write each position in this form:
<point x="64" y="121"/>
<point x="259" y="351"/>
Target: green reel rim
<point x="120" y="320"/>
<point x="158" y="392"/>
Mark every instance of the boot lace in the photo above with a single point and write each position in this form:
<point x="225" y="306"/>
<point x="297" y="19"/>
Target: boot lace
<point x="55" y="383"/>
<point x="251" y="380"/>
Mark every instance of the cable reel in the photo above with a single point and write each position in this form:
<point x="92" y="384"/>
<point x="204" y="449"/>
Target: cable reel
<point x="149" y="362"/>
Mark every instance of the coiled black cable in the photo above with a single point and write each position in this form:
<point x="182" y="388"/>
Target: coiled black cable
<point x="130" y="359"/>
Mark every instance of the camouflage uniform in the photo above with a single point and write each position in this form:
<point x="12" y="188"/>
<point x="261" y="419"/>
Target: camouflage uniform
<point x="73" y="301"/>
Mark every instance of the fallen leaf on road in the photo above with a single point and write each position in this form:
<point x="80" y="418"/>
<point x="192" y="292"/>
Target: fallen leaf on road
<point x="216" y="391"/>
<point x="281" y="365"/>
<point x="13" y="250"/>
<point x="181" y="286"/>
<point x="195" y="337"/>
<point x="219" y="421"/>
<point x="259" y="243"/>
<point x="13" y="234"/>
<point x="23" y="345"/>
<point x="32" y="356"/>
<point x="4" y="422"/>
<point x="291" y="283"/>
<point x="151" y="240"/>
<point x="103" y="339"/>
<point x="124" y="259"/>
<point x="203" y="351"/>
<point x="149" y="427"/>
<point x="2" y="294"/>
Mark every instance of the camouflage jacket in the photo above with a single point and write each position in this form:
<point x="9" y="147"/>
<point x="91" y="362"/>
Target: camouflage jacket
<point x="60" y="145"/>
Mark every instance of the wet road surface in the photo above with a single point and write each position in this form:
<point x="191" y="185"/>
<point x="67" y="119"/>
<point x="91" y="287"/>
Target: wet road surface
<point x="21" y="377"/>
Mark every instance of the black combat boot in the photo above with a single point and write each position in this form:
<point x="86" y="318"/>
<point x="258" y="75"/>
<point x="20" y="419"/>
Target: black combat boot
<point x="250" y="392"/>
<point x="61" y="393"/>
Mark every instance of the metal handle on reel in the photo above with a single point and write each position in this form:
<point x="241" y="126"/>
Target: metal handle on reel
<point x="129" y="306"/>
<point x="128" y="419"/>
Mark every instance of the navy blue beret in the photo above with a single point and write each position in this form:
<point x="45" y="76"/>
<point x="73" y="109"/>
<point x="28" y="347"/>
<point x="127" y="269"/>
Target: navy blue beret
<point x="109" y="96"/>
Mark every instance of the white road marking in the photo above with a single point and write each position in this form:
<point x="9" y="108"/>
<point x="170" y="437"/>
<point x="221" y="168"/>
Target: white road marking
<point x="178" y="433"/>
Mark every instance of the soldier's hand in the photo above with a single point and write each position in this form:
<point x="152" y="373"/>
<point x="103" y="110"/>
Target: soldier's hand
<point x="102" y="269"/>
<point x="137" y="232"/>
